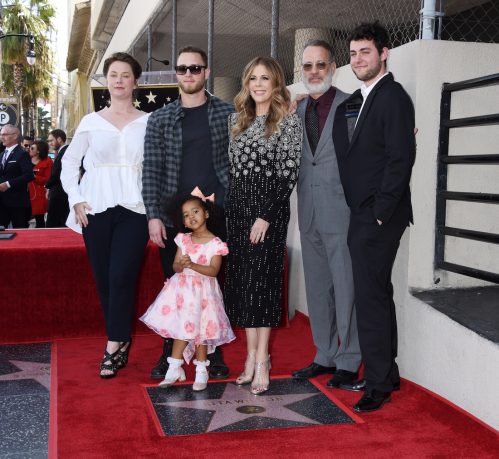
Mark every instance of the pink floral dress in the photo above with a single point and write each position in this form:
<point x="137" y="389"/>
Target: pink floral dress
<point x="190" y="305"/>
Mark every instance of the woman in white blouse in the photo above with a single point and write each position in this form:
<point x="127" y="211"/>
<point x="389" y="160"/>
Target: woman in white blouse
<point x="106" y="205"/>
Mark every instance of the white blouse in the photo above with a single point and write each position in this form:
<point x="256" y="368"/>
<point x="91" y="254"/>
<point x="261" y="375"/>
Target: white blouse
<point x="112" y="160"/>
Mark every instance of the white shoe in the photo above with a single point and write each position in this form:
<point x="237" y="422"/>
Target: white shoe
<point x="201" y="381"/>
<point x="175" y="372"/>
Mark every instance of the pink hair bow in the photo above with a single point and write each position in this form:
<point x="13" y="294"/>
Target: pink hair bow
<point x="199" y="194"/>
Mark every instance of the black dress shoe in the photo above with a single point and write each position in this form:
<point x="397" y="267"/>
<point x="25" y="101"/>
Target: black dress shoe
<point x="359" y="385"/>
<point x="159" y="371"/>
<point x="217" y="368"/>
<point x="372" y="400"/>
<point x="343" y="379"/>
<point x="313" y="370"/>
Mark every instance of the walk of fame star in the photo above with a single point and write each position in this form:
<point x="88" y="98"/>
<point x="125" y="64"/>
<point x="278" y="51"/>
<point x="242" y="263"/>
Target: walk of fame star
<point x="151" y="98"/>
<point x="226" y="407"/>
<point x="29" y="370"/>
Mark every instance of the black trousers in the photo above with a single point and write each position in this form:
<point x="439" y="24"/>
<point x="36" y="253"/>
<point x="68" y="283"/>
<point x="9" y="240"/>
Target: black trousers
<point x="116" y="240"/>
<point x="58" y="212"/>
<point x="18" y="216"/>
<point x="373" y="249"/>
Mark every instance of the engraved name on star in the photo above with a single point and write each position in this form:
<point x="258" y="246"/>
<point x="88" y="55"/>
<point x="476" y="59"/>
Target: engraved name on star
<point x="225" y="409"/>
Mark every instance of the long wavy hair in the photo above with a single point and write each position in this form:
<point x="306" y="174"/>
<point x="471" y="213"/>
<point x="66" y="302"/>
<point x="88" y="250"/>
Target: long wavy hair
<point x="279" y="102"/>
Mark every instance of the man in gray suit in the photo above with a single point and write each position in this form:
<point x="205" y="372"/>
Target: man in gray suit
<point x="323" y="218"/>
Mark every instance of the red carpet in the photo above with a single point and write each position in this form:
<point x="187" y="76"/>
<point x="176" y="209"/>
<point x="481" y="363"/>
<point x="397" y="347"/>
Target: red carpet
<point x="110" y="418"/>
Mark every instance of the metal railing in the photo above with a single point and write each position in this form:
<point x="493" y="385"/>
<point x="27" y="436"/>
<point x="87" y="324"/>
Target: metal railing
<point x="444" y="195"/>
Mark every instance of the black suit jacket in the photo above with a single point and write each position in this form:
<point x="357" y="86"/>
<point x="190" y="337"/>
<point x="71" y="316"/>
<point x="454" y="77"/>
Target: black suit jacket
<point x="54" y="182"/>
<point x="18" y="171"/>
<point x="376" y="158"/>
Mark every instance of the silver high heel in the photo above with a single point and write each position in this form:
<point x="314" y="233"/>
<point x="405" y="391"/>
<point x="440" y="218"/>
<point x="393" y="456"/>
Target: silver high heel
<point x="249" y="370"/>
<point x="257" y="387"/>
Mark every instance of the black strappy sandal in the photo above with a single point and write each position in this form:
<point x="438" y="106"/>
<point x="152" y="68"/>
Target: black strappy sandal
<point x="112" y="367"/>
<point x="121" y="355"/>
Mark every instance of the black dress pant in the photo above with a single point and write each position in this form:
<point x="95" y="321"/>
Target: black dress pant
<point x="373" y="249"/>
<point x="116" y="240"/>
<point x="58" y="212"/>
<point x="18" y="216"/>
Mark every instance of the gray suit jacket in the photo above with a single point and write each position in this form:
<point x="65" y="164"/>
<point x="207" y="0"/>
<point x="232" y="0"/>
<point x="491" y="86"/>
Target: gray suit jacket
<point x="320" y="193"/>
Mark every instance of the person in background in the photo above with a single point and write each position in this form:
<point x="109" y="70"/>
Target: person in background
<point x="106" y="205"/>
<point x="264" y="155"/>
<point x="26" y="142"/>
<point x="42" y="168"/>
<point x="185" y="146"/>
<point x="16" y="171"/>
<point x="58" y="208"/>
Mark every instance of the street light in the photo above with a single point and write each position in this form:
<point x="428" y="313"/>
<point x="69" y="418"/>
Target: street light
<point x="30" y="55"/>
<point x="162" y="61"/>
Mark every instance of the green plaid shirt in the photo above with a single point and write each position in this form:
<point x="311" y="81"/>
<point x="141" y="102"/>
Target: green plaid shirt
<point x="163" y="152"/>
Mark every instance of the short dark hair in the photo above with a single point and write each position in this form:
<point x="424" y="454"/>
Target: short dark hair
<point x="42" y="147"/>
<point x="322" y="44"/>
<point x="372" y="31"/>
<point x="194" y="49"/>
<point x="123" y="57"/>
<point x="27" y="137"/>
<point x="58" y="134"/>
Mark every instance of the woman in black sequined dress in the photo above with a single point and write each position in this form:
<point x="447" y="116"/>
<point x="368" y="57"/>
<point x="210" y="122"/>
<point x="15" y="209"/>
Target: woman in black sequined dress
<point x="264" y="154"/>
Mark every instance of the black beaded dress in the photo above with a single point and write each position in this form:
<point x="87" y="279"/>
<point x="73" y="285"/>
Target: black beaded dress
<point x="263" y="172"/>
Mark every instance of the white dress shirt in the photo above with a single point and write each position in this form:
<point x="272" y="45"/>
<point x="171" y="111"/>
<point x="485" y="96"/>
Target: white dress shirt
<point x="366" y="90"/>
<point x="112" y="160"/>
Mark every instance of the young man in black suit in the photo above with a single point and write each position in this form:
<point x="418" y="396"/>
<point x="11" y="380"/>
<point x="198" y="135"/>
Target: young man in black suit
<point x="374" y="137"/>
<point x="58" y="209"/>
<point x="16" y="170"/>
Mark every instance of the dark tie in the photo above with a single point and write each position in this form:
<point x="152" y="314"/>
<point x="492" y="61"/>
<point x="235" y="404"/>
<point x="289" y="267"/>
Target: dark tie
<point x="312" y="124"/>
<point x="4" y="159"/>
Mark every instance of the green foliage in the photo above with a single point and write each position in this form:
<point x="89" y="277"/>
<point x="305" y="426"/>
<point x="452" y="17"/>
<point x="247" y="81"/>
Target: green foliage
<point x="44" y="123"/>
<point x="35" y="17"/>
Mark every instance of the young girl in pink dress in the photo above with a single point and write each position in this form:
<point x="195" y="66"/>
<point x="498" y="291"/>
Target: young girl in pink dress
<point x="190" y="308"/>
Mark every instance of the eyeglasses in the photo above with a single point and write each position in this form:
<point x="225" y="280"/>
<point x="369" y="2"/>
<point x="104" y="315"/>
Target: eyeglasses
<point x="26" y="146"/>
<point x="194" y="69"/>
<point x="320" y="65"/>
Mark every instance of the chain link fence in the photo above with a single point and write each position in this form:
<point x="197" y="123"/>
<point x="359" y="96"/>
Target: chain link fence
<point x="242" y="29"/>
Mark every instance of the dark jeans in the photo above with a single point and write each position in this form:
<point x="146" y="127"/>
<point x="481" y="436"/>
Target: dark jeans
<point x="116" y="240"/>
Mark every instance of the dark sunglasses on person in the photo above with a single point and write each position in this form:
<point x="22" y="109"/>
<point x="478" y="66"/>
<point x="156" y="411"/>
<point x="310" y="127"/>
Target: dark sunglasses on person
<point x="27" y="146"/>
<point x="320" y="65"/>
<point x="194" y="69"/>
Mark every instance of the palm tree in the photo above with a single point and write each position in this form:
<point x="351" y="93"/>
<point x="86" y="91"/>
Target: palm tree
<point x="29" y="82"/>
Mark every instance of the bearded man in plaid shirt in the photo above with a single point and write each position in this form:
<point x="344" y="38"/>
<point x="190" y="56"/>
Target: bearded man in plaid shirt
<point x="186" y="145"/>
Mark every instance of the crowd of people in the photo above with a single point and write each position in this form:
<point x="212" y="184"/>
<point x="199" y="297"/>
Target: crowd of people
<point x="204" y="179"/>
<point x="30" y="185"/>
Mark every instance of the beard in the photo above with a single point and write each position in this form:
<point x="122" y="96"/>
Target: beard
<point x="192" y="88"/>
<point x="369" y="73"/>
<point x="319" y="88"/>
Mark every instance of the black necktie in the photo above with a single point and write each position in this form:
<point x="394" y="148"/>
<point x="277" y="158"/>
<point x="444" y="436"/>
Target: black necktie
<point x="312" y="125"/>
